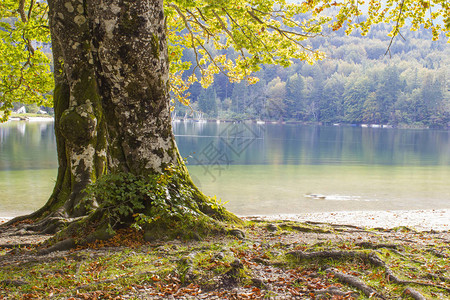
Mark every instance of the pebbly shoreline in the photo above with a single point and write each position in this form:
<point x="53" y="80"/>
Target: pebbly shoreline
<point x="421" y="220"/>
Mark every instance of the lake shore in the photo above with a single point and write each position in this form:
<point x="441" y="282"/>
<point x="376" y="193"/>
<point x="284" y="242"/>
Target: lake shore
<point x="32" y="118"/>
<point x="420" y="220"/>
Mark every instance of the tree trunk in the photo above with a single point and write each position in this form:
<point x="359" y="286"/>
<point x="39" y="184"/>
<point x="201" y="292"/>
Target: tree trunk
<point x="111" y="99"/>
<point x="111" y="96"/>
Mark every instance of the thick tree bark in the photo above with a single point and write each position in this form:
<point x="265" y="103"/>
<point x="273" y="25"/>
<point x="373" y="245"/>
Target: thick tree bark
<point x="111" y="97"/>
<point x="112" y="115"/>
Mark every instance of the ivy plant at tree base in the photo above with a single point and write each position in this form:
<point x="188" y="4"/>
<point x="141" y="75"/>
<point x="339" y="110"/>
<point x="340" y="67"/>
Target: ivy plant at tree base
<point x="163" y="206"/>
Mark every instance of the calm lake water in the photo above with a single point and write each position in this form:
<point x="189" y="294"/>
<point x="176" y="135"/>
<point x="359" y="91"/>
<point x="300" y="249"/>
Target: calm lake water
<point x="265" y="169"/>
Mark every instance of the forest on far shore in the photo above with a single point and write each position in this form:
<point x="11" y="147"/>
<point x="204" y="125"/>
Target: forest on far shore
<point x="358" y="83"/>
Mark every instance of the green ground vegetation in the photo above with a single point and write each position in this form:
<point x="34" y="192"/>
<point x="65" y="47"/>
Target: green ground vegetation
<point x="276" y="259"/>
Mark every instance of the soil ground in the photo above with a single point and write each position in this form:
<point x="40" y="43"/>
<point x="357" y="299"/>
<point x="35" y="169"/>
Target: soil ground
<point x="276" y="259"/>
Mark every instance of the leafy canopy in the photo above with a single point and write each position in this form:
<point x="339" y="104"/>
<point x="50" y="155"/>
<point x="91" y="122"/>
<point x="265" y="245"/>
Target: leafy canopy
<point x="260" y="31"/>
<point x="24" y="69"/>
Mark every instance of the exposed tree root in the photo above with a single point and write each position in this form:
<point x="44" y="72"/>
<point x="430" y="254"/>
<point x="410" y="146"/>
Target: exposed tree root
<point x="334" y="291"/>
<point x="262" y="261"/>
<point x="414" y="294"/>
<point x="26" y="225"/>
<point x="339" y="227"/>
<point x="356" y="283"/>
<point x="333" y="225"/>
<point x="390" y="276"/>
<point x="369" y="245"/>
<point x="305" y="228"/>
<point x="43" y="229"/>
<point x="66" y="244"/>
<point x="437" y="277"/>
<point x="51" y="225"/>
<point x="371" y="258"/>
<point x="15" y="282"/>
<point x="14" y="222"/>
<point x="300" y="255"/>
<point x="438" y="253"/>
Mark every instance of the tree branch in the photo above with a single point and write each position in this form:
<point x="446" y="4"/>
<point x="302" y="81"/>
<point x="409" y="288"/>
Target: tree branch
<point x="224" y="27"/>
<point x="21" y="11"/>
<point x="282" y="32"/>
<point x="369" y="291"/>
<point x="307" y="34"/>
<point x="193" y="39"/>
<point x="248" y="38"/>
<point x="30" y="9"/>
<point x="24" y="19"/>
<point x="191" y="34"/>
<point x="396" y="30"/>
<point x="196" y="21"/>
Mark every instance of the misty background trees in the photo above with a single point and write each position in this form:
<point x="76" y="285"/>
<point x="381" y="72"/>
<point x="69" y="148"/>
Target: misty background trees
<point x="357" y="83"/>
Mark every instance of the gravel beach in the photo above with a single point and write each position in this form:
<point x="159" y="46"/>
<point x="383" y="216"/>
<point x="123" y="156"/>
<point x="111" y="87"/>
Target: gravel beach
<point x="421" y="220"/>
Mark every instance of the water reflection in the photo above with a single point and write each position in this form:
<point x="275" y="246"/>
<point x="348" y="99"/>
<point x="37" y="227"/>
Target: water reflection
<point x="294" y="144"/>
<point x="264" y="169"/>
<point x="25" y="146"/>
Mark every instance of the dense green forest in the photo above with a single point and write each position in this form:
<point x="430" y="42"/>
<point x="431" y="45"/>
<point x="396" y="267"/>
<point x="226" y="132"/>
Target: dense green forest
<point x="357" y="83"/>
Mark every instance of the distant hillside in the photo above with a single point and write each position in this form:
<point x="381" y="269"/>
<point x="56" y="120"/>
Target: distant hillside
<point x="358" y="83"/>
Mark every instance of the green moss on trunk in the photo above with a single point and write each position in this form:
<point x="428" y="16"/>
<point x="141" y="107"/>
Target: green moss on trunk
<point x="62" y="188"/>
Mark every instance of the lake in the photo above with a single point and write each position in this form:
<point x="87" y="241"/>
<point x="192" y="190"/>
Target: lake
<point x="264" y="168"/>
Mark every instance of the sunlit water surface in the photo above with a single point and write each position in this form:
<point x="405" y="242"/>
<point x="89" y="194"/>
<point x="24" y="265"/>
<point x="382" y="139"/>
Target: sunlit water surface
<point x="264" y="169"/>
